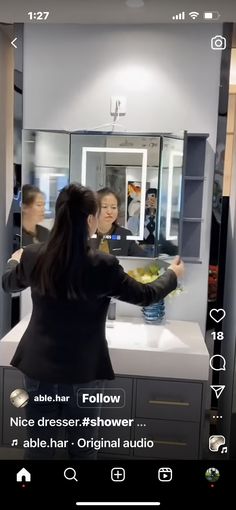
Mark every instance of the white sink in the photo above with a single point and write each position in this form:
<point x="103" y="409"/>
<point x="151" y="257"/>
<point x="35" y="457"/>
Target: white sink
<point x="173" y="349"/>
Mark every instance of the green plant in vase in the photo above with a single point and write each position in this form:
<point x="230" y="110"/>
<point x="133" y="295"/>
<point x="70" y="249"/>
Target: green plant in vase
<point x="155" y="313"/>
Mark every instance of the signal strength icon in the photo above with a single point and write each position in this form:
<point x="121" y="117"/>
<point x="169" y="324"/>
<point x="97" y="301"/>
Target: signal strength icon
<point x="193" y="14"/>
<point x="179" y="16"/>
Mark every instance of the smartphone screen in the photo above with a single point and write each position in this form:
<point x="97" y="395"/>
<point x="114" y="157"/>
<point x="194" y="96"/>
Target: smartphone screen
<point x="114" y="400"/>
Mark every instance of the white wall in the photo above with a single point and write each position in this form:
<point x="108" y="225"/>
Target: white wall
<point x="170" y="77"/>
<point x="70" y="72"/>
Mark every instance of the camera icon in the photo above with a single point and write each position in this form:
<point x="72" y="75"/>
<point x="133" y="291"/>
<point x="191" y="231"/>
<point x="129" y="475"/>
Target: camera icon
<point x="218" y="42"/>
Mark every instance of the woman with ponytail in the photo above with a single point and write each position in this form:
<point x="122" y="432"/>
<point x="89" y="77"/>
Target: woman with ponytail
<point x="64" y="351"/>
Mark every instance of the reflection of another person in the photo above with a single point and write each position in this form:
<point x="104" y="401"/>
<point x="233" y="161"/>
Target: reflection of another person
<point x="33" y="204"/>
<point x="150" y="216"/>
<point x="133" y="221"/>
<point x="165" y="246"/>
<point x="134" y="203"/>
<point x="64" y="347"/>
<point x="108" y="226"/>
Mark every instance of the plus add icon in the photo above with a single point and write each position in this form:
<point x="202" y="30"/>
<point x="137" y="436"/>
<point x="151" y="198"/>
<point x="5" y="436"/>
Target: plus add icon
<point x="117" y="474"/>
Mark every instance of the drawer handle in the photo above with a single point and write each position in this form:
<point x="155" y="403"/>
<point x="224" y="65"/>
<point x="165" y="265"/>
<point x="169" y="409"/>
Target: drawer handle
<point x="169" y="403"/>
<point x="169" y="443"/>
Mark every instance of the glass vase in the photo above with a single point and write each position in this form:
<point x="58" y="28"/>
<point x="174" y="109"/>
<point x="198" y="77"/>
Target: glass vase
<point x="154" y="314"/>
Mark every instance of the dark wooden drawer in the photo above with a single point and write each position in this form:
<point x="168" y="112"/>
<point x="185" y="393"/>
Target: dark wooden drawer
<point x="172" y="439"/>
<point x="168" y="400"/>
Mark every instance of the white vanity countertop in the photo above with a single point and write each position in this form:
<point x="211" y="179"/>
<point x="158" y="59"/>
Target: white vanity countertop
<point x="175" y="349"/>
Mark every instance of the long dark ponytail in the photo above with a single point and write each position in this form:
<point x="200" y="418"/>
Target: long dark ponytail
<point x="61" y="264"/>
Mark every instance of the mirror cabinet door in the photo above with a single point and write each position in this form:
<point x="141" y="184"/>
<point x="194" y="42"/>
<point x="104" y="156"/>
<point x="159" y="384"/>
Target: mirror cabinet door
<point x="169" y="200"/>
<point x="129" y="166"/>
<point x="45" y="171"/>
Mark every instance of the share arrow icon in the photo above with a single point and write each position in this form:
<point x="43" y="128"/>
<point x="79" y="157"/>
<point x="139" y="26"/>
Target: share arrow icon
<point x="218" y="389"/>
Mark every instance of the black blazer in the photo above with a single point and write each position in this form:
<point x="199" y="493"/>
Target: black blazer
<point x="121" y="247"/>
<point x="65" y="340"/>
<point x="42" y="235"/>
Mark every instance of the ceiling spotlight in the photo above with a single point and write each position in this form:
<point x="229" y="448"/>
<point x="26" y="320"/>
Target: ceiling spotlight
<point x="134" y="3"/>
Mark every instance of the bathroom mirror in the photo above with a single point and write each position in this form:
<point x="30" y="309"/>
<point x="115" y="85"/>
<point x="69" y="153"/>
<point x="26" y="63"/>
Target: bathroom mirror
<point x="171" y="172"/>
<point x="145" y="171"/>
<point x="97" y="163"/>
<point x="45" y="164"/>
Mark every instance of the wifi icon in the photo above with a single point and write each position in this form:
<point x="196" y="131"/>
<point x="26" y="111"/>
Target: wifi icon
<point x="193" y="14"/>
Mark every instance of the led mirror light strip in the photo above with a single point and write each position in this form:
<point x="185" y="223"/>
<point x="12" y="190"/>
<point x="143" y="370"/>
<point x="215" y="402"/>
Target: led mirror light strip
<point x="173" y="154"/>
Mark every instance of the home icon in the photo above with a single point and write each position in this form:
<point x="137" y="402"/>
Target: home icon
<point x="23" y="476"/>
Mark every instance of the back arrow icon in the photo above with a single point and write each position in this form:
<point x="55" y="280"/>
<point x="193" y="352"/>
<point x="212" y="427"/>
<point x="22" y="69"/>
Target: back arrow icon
<point x="12" y="42"/>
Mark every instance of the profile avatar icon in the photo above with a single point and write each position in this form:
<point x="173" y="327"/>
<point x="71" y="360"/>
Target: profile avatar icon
<point x="212" y="474"/>
<point x="19" y="398"/>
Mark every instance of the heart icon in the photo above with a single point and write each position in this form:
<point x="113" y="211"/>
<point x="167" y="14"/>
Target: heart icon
<point x="217" y="315"/>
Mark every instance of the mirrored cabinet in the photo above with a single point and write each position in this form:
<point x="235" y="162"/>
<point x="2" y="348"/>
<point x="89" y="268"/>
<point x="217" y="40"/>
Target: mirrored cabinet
<point x="45" y="164"/>
<point x="150" y="186"/>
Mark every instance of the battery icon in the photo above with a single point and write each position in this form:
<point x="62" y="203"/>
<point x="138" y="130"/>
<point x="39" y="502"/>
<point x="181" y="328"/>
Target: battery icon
<point x="211" y="15"/>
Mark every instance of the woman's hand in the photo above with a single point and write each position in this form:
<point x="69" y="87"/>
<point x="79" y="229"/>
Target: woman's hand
<point x="178" y="267"/>
<point x="17" y="255"/>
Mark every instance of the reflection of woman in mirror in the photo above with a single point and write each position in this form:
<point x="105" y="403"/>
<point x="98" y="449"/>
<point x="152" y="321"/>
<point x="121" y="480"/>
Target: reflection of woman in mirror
<point x="33" y="206"/>
<point x="149" y="241"/>
<point x="149" y="221"/>
<point x="133" y="207"/>
<point x="150" y="216"/>
<point x="111" y="237"/>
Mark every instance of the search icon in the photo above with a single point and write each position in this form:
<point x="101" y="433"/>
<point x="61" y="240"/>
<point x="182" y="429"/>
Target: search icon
<point x="70" y="474"/>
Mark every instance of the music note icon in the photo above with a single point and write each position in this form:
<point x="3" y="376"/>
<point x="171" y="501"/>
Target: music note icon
<point x="14" y="442"/>
<point x="224" y="449"/>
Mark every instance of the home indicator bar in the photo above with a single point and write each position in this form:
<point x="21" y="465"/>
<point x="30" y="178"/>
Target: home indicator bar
<point x="117" y="503"/>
